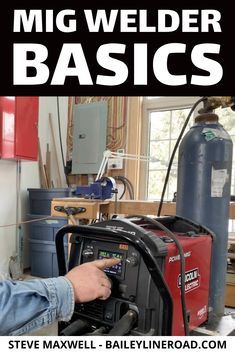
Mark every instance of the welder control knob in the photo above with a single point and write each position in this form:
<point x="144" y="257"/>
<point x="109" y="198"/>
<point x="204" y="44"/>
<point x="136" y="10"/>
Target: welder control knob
<point x="88" y="253"/>
<point x="132" y="261"/>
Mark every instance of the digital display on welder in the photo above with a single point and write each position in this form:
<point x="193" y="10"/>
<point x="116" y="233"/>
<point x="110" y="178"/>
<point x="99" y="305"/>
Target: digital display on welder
<point x="106" y="254"/>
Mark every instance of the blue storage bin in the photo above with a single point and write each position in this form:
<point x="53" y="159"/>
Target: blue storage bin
<point x="43" y="258"/>
<point x="40" y="199"/>
<point x="45" y="229"/>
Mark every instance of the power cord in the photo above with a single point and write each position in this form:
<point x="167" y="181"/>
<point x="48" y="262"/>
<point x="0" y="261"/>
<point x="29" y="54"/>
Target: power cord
<point x="25" y="222"/>
<point x="127" y="186"/>
<point x="124" y="186"/>
<point x="174" y="152"/>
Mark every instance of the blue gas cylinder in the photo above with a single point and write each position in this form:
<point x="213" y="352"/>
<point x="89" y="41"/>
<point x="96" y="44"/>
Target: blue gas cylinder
<point x="203" y="192"/>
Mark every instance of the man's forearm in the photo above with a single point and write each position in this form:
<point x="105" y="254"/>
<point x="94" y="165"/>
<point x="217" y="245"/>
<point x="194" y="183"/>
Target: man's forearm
<point x="29" y="305"/>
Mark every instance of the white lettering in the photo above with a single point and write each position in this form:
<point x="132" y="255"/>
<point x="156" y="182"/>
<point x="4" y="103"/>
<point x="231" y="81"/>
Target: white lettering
<point x="21" y="18"/>
<point x="213" y="21"/>
<point x="143" y="26"/>
<point x="214" y="69"/>
<point x="21" y="63"/>
<point x="160" y="66"/>
<point x="60" y="21"/>
<point x="188" y="18"/>
<point x="49" y="21"/>
<point x="175" y="20"/>
<point x="94" y="22"/>
<point x="80" y="70"/>
<point x="126" y="20"/>
<point x="140" y="64"/>
<point x="118" y="67"/>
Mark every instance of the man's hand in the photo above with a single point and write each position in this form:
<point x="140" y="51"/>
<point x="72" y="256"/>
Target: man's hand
<point x="89" y="280"/>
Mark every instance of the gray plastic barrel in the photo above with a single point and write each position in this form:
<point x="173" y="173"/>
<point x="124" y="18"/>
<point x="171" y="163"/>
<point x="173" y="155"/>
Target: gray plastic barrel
<point x="203" y="192"/>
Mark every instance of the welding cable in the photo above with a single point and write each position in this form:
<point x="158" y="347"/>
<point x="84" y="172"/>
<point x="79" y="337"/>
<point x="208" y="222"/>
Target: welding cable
<point x="124" y="186"/>
<point x="124" y="190"/>
<point x="60" y="138"/>
<point x="182" y="265"/>
<point x="101" y="331"/>
<point x="174" y="152"/>
<point x="76" y="328"/>
<point x="125" y="324"/>
<point x="128" y="185"/>
<point x="131" y="187"/>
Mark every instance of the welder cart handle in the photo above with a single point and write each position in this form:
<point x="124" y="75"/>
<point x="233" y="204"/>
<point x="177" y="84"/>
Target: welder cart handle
<point x="139" y="243"/>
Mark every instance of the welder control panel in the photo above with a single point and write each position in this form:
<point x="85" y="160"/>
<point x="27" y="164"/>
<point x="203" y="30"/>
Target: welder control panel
<point x="124" y="274"/>
<point x="116" y="269"/>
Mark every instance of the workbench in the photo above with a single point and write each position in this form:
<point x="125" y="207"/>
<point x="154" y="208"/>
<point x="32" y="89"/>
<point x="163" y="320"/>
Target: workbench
<point x="126" y="207"/>
<point x="96" y="207"/>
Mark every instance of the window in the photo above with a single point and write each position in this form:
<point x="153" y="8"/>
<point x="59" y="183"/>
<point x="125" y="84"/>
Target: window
<point x="164" y="117"/>
<point x="164" y="129"/>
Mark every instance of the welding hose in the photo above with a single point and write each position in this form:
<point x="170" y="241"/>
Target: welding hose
<point x="121" y="328"/>
<point x="76" y="328"/>
<point x="125" y="324"/>
<point x="101" y="331"/>
<point x="124" y="186"/>
<point x="127" y="184"/>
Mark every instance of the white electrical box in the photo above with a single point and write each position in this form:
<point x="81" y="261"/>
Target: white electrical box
<point x="115" y="163"/>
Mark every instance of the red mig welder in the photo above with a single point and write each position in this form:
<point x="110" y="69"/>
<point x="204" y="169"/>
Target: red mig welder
<point x="160" y="286"/>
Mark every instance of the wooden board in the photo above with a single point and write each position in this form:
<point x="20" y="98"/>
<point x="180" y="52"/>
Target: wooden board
<point x="55" y="149"/>
<point x="93" y="208"/>
<point x="141" y="207"/>
<point x="48" y="165"/>
<point x="42" y="174"/>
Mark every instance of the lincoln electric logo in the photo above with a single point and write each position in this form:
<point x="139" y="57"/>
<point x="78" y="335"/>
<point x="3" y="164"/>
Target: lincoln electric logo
<point x="192" y="280"/>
